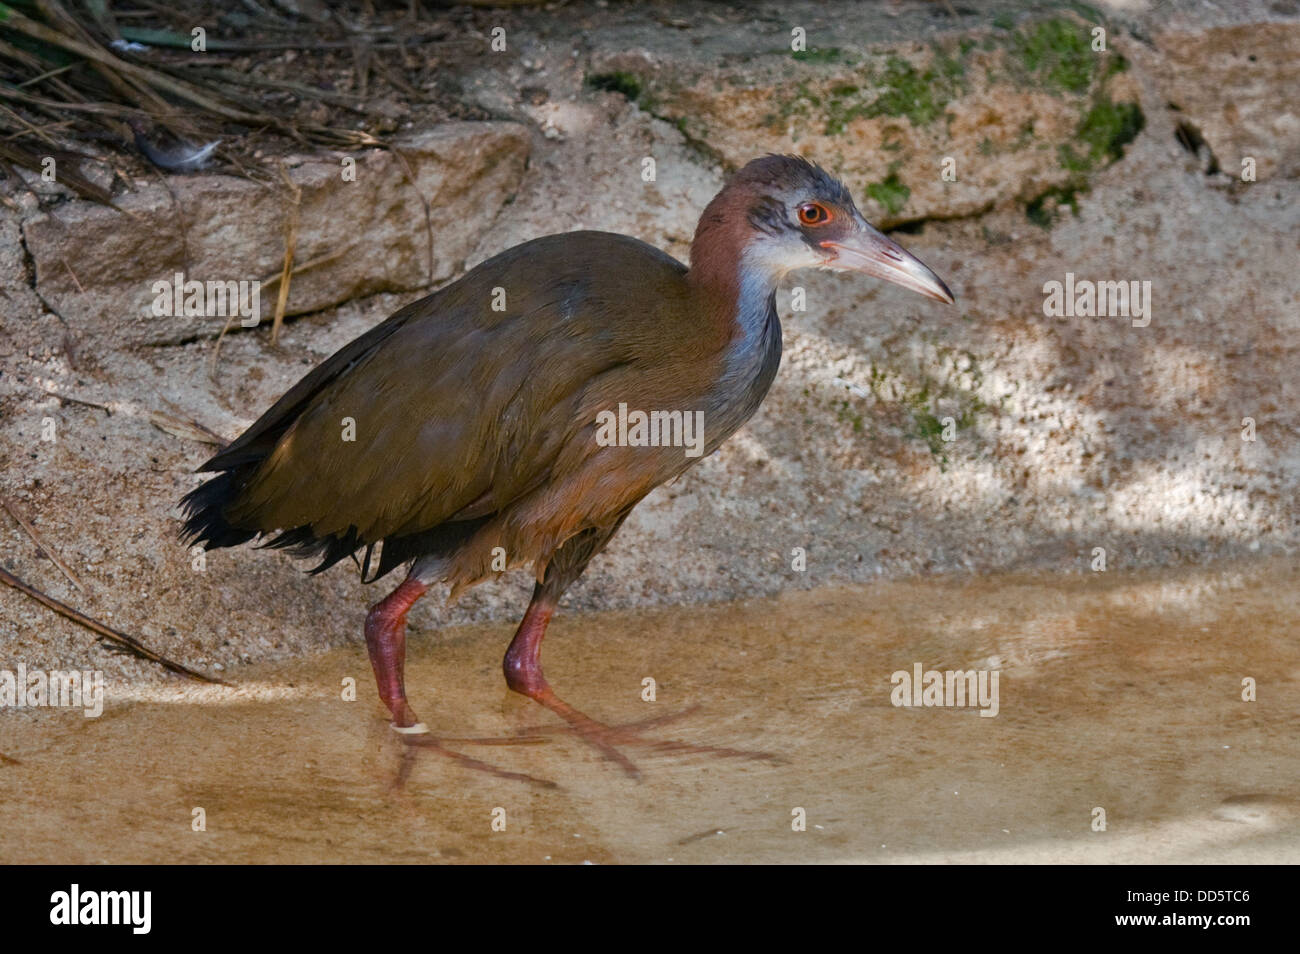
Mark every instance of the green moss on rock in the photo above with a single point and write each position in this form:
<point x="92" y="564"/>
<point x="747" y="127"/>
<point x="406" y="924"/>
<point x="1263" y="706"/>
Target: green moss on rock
<point x="1057" y="53"/>
<point x="831" y="54"/>
<point x="1102" y="135"/>
<point x="626" y="84"/>
<point x="1100" y="139"/>
<point x="1045" y="208"/>
<point x="918" y="401"/>
<point x="920" y="95"/>
<point x="890" y="193"/>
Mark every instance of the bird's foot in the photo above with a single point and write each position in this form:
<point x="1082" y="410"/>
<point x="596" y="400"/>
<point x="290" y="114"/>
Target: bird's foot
<point x="417" y="737"/>
<point x="606" y="739"/>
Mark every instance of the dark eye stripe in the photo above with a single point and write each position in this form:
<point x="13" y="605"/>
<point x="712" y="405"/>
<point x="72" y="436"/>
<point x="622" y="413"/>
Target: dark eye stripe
<point x="768" y="215"/>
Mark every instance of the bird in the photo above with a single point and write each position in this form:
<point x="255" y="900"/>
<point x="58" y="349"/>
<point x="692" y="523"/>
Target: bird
<point x="473" y="430"/>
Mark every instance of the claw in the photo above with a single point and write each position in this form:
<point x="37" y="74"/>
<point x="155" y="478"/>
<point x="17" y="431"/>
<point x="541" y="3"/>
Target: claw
<point x="418" y="729"/>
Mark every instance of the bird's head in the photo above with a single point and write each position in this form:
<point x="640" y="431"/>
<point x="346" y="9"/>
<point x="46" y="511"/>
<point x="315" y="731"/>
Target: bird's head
<point x="793" y="214"/>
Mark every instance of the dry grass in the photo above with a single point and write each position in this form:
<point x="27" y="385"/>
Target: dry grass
<point x="123" y="79"/>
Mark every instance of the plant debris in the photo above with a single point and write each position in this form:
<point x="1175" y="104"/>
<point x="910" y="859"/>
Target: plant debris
<point x="125" y="643"/>
<point x="230" y="88"/>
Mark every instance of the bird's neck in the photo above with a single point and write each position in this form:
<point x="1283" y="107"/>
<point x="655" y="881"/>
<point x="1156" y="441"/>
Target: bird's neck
<point x="736" y="291"/>
<point x="734" y="285"/>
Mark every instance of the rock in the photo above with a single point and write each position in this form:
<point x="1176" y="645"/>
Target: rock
<point x="1235" y="87"/>
<point x="98" y="267"/>
<point x="1069" y="434"/>
<point x="1008" y="113"/>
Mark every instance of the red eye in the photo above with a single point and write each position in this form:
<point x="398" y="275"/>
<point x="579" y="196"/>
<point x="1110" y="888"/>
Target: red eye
<point x="813" y="213"/>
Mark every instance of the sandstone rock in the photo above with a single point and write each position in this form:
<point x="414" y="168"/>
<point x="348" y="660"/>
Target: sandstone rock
<point x="1070" y="434"/>
<point x="1010" y="111"/>
<point x="98" y="267"/>
<point x="1236" y="87"/>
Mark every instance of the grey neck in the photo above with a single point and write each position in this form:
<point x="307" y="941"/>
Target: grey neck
<point x="751" y="360"/>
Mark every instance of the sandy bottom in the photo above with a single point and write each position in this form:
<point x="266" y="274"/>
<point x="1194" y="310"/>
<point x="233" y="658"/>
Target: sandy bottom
<point x="1116" y="692"/>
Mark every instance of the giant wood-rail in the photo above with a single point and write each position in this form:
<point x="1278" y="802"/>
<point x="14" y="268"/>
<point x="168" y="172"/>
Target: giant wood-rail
<point x="476" y="412"/>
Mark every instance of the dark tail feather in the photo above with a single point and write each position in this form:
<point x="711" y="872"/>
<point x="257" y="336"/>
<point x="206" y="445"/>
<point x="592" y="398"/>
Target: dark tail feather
<point x="205" y="524"/>
<point x="204" y="521"/>
<point x="302" y="543"/>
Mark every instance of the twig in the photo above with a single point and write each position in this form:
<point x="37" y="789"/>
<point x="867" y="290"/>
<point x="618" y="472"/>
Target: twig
<point x="43" y="73"/>
<point x="361" y="55"/>
<point x="103" y="14"/>
<point x="39" y="130"/>
<point x="290" y="244"/>
<point x="186" y="429"/>
<point x="299" y="89"/>
<point x="48" y="74"/>
<point x="273" y="280"/>
<point x="72" y="400"/>
<point x="31" y="128"/>
<point x="165" y="38"/>
<point x="18" y="155"/>
<point x="343" y="138"/>
<point x="312" y="263"/>
<point x="76" y="281"/>
<point x="128" y="643"/>
<point x="180" y="218"/>
<point x="172" y="424"/>
<point x="428" y="215"/>
<point x="14" y="512"/>
<point x="54" y="105"/>
<point x="397" y="80"/>
<point x="71" y="350"/>
<point x="102" y="58"/>
<point x="129" y="87"/>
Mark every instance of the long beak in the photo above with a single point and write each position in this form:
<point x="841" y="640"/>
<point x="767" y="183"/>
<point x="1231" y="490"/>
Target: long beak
<point x="872" y="253"/>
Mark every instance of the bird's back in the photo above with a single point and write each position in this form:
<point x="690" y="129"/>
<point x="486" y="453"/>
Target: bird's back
<point x="468" y="406"/>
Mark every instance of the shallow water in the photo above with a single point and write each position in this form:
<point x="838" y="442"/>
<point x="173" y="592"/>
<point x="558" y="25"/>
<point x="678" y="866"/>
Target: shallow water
<point x="1119" y="692"/>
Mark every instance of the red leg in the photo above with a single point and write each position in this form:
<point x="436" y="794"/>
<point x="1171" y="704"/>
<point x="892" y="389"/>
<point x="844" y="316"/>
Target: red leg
<point x="523" y="669"/>
<point x="523" y="662"/>
<point x="386" y="642"/>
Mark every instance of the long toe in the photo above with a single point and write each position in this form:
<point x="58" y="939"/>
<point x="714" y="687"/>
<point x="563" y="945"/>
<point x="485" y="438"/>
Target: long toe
<point x="424" y="742"/>
<point x="606" y="739"/>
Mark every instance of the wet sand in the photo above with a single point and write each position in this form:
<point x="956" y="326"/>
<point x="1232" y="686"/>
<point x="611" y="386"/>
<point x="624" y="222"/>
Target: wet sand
<point x="1116" y="691"/>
